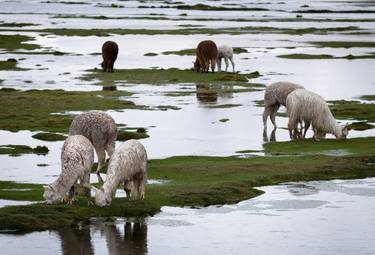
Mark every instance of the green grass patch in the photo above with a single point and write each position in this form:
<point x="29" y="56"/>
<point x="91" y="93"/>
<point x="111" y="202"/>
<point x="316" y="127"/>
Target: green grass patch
<point x="17" y="24"/>
<point x="150" y="54"/>
<point x="249" y="151"/>
<point x="27" y="112"/>
<point x="191" y="181"/>
<point x="309" y="146"/>
<point x="22" y="149"/>
<point x="222" y="106"/>
<point x="191" y="30"/>
<point x="46" y="136"/>
<point x="353" y="110"/>
<point x="224" y="120"/>
<point x="10" y="66"/>
<point x="172" y="75"/>
<point x="368" y="97"/>
<point x="124" y="135"/>
<point x="325" y="56"/>
<point x="344" y="44"/>
<point x="16" y="42"/>
<point x="360" y="126"/>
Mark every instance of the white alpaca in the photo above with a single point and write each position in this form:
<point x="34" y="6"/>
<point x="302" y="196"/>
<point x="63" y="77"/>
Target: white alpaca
<point x="100" y="128"/>
<point x="274" y="96"/>
<point x="77" y="158"/>
<point x="128" y="164"/>
<point x="225" y="52"/>
<point x="304" y="105"/>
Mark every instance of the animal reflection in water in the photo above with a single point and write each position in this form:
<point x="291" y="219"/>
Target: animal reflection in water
<point x="272" y="135"/>
<point x="132" y="240"/>
<point x="208" y="93"/>
<point x="76" y="240"/>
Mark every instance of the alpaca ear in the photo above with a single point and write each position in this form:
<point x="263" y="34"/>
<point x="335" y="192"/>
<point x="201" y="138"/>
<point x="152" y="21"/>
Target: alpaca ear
<point x="45" y="187"/>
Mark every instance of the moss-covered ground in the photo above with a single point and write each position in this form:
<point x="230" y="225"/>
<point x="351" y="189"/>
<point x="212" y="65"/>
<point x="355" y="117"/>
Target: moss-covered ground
<point x="195" y="181"/>
<point x="15" y="42"/>
<point x="190" y="31"/>
<point x="14" y="150"/>
<point x="167" y="76"/>
<point x="43" y="110"/>
<point x="326" y="56"/>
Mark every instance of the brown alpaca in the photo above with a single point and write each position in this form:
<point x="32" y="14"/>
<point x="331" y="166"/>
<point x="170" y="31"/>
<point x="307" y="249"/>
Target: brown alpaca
<point x="109" y="54"/>
<point x="206" y="54"/>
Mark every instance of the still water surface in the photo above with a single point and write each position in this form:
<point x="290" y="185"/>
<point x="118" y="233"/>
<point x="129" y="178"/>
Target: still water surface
<point x="321" y="217"/>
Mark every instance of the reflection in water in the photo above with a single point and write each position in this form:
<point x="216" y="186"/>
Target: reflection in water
<point x="109" y="88"/>
<point x="76" y="240"/>
<point x="132" y="240"/>
<point x="272" y="135"/>
<point x="206" y="94"/>
<point x="209" y="93"/>
<point x="302" y="189"/>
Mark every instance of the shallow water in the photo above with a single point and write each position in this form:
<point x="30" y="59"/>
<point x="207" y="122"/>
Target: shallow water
<point x="321" y="217"/>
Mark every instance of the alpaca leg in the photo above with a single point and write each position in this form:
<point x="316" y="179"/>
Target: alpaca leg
<point x="127" y="188"/>
<point x="111" y="148"/>
<point x="273" y="114"/>
<point x="231" y="60"/>
<point x="85" y="183"/>
<point x="316" y="134"/>
<point x="142" y="188"/>
<point x="213" y="64"/>
<point x="273" y="135"/>
<point x="266" y="113"/>
<point x="207" y="66"/>
<point x="307" y="125"/>
<point x="291" y="127"/>
<point x="71" y="196"/>
<point x="219" y="64"/>
<point x="226" y="64"/>
<point x="265" y="136"/>
<point x="101" y="159"/>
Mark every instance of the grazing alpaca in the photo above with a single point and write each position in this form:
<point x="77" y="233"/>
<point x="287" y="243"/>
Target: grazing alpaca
<point x="109" y="54"/>
<point x="274" y="96"/>
<point x="206" y="55"/>
<point x="77" y="157"/>
<point x="225" y="52"/>
<point x="100" y="128"/>
<point x="304" y="105"/>
<point x="127" y="165"/>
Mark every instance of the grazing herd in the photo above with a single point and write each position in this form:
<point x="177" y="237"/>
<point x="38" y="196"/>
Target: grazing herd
<point x="207" y="55"/>
<point x="128" y="163"/>
<point x="303" y="107"/>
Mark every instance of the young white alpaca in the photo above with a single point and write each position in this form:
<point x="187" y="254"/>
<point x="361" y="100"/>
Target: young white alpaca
<point x="128" y="164"/>
<point x="274" y="96"/>
<point x="304" y="105"/>
<point x="77" y="158"/>
<point x="100" y="128"/>
<point x="225" y="52"/>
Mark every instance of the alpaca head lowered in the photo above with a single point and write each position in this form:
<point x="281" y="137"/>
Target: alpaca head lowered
<point x="51" y="196"/>
<point x="101" y="199"/>
<point x="344" y="131"/>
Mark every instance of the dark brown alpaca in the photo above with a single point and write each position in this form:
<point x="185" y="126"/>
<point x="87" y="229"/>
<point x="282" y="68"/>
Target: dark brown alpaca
<point x="109" y="54"/>
<point x="206" y="54"/>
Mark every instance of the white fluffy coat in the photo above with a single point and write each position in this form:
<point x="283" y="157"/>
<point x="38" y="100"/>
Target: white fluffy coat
<point x="128" y="164"/>
<point x="225" y="52"/>
<point x="307" y="106"/>
<point x="274" y="96"/>
<point x="77" y="158"/>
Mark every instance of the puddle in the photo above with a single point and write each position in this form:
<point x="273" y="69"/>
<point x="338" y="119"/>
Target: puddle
<point x="304" y="217"/>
